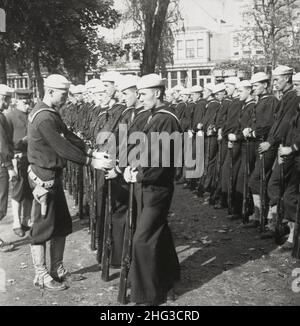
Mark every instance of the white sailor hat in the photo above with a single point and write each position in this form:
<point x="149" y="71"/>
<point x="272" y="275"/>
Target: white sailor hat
<point x="259" y="78"/>
<point x="296" y="77"/>
<point x="178" y="88"/>
<point x="93" y="83"/>
<point x="196" y="89"/>
<point x="150" y="81"/>
<point x="210" y="87"/>
<point x="57" y="82"/>
<point x="99" y="88"/>
<point x="219" y="88"/>
<point x="232" y="80"/>
<point x="282" y="70"/>
<point x="186" y="91"/>
<point x="79" y="89"/>
<point x="110" y="76"/>
<point x="5" y="90"/>
<point x="127" y="81"/>
<point x="244" y="83"/>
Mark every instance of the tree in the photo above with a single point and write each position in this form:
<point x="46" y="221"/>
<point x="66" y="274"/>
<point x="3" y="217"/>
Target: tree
<point x="154" y="19"/>
<point x="56" y="34"/>
<point x="270" y="25"/>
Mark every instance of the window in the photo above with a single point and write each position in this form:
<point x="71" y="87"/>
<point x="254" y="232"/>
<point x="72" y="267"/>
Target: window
<point x="204" y="72"/>
<point x="183" y="77"/>
<point x="200" y="48"/>
<point x="259" y="52"/>
<point x="235" y="41"/>
<point x="194" y="77"/>
<point x="247" y="52"/>
<point x="190" y="49"/>
<point x="174" y="80"/>
<point x="180" y="50"/>
<point x="236" y="53"/>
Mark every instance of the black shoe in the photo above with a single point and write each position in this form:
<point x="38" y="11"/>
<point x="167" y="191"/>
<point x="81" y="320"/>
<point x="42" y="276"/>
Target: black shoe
<point x="52" y="286"/>
<point x="254" y="224"/>
<point x="287" y="246"/>
<point x="268" y="235"/>
<point x="234" y="217"/>
<point x="68" y="277"/>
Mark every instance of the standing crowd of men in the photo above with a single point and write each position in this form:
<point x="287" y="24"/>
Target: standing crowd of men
<point x="251" y="152"/>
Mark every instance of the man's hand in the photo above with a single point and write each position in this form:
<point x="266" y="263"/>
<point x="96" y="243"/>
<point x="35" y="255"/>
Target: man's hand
<point x="264" y="147"/>
<point x="102" y="164"/>
<point x="247" y="132"/>
<point x="130" y="175"/>
<point x="232" y="137"/>
<point x="12" y="175"/>
<point x="285" y="151"/>
<point x="190" y="133"/>
<point x="199" y="126"/>
<point x="111" y="174"/>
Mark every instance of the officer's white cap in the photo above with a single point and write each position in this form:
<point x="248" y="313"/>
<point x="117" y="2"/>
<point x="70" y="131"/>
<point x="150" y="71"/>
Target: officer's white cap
<point x="219" y="88"/>
<point x="244" y="83"/>
<point x="178" y="88"/>
<point x="259" y="77"/>
<point x="5" y="90"/>
<point x="127" y="81"/>
<point x="282" y="70"/>
<point x="111" y="76"/>
<point x="210" y="87"/>
<point x="196" y="89"/>
<point x="93" y="83"/>
<point x="232" y="80"/>
<point x="186" y="91"/>
<point x="79" y="89"/>
<point x="57" y="82"/>
<point x="150" y="81"/>
<point x="296" y="77"/>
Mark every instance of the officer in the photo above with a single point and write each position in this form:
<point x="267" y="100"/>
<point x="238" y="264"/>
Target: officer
<point x="155" y="267"/>
<point x="291" y="150"/>
<point x="7" y="172"/>
<point x="50" y="144"/>
<point x="263" y="119"/>
<point x="21" y="196"/>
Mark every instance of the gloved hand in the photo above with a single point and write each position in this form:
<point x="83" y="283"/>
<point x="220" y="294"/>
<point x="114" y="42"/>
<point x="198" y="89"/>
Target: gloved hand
<point x="12" y="175"/>
<point x="247" y="132"/>
<point x="232" y="137"/>
<point x="111" y="174"/>
<point x="190" y="133"/>
<point x="200" y="133"/>
<point x="230" y="144"/>
<point x="285" y="151"/>
<point x="130" y="175"/>
<point x="102" y="164"/>
<point x="199" y="126"/>
<point x="264" y="147"/>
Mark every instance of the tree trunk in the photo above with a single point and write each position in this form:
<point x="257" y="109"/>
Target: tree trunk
<point x="3" y="75"/>
<point x="37" y="73"/>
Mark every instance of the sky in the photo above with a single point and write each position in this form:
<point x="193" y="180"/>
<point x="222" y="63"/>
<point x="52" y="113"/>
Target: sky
<point x="205" y="13"/>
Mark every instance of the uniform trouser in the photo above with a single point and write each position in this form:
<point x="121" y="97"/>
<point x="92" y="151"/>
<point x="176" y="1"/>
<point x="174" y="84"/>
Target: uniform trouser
<point x="270" y="157"/>
<point x="236" y="153"/>
<point x="4" y="186"/>
<point x="21" y="212"/>
<point x="291" y="196"/>
<point x="155" y="267"/>
<point x="211" y="145"/>
<point x="38" y="253"/>
<point x="242" y="177"/>
<point x="274" y="182"/>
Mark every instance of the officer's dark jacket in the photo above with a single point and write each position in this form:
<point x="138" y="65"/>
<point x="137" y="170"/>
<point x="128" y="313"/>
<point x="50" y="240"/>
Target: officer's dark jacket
<point x="264" y="115"/>
<point x="18" y="122"/>
<point x="50" y="143"/>
<point x="6" y="144"/>
<point x="287" y="109"/>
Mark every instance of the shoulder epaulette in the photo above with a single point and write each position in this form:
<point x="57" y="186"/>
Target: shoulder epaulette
<point x="34" y="115"/>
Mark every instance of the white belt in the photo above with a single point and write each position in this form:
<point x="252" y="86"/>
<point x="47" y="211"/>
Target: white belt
<point x="38" y="181"/>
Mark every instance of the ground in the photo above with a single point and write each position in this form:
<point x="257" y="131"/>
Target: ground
<point x="221" y="263"/>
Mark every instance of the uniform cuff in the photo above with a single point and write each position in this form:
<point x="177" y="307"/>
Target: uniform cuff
<point x="295" y="148"/>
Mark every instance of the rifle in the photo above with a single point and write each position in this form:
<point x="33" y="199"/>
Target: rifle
<point x="279" y="229"/>
<point x="263" y="194"/>
<point x="80" y="192"/>
<point x="246" y="192"/>
<point x="296" y="249"/>
<point x="230" y="184"/>
<point x="93" y="208"/>
<point x="218" y="176"/>
<point x="127" y="249"/>
<point x="108" y="238"/>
